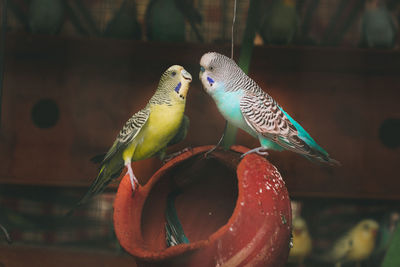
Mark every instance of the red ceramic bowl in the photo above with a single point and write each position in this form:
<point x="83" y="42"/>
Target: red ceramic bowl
<point x="234" y="212"/>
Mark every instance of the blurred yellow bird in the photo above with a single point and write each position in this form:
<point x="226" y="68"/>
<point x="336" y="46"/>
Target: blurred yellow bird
<point x="355" y="246"/>
<point x="302" y="244"/>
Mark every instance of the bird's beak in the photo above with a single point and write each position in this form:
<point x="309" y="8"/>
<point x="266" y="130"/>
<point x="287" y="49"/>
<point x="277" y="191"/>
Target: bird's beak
<point x="187" y="78"/>
<point x="201" y="71"/>
<point x="186" y="75"/>
<point x="297" y="231"/>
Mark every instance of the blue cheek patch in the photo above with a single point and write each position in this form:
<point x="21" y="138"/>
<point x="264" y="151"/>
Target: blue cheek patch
<point x="211" y="81"/>
<point x="178" y="87"/>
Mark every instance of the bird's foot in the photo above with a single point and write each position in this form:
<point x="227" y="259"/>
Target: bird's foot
<point x="175" y="154"/>
<point x="262" y="151"/>
<point x="132" y="177"/>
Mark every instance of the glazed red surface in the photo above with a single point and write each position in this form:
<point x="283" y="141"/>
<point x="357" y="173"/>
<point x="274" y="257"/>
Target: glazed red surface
<point x="234" y="212"/>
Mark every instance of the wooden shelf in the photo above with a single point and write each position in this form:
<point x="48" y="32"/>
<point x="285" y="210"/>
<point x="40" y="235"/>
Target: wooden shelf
<point x="17" y="255"/>
<point x="341" y="96"/>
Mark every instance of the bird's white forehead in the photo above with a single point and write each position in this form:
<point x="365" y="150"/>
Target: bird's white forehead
<point x="207" y="58"/>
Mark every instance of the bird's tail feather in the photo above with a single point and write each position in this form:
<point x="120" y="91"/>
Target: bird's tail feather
<point x="312" y="151"/>
<point x="323" y="158"/>
<point x="174" y="233"/>
<point x="316" y="153"/>
<point x="99" y="184"/>
<point x="98" y="158"/>
<point x="306" y="145"/>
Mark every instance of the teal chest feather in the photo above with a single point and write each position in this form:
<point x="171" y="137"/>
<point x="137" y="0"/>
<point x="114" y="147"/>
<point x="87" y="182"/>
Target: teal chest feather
<point x="228" y="104"/>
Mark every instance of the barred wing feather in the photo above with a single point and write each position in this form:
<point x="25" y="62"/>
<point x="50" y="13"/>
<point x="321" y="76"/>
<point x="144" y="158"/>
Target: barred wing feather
<point x="128" y="132"/>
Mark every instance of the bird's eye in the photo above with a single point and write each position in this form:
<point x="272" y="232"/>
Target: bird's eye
<point x="211" y="67"/>
<point x="173" y="73"/>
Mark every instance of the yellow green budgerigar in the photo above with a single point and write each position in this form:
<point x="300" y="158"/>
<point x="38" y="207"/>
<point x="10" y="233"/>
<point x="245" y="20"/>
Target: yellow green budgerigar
<point x="302" y="243"/>
<point x="149" y="131"/>
<point x="354" y="246"/>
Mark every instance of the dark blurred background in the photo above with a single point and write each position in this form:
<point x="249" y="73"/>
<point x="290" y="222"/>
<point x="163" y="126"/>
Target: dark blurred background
<point x="75" y="71"/>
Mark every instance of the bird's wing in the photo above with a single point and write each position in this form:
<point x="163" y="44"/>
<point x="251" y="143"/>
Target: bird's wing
<point x="264" y="116"/>
<point x="130" y="130"/>
<point x="262" y="113"/>
<point x="342" y="248"/>
<point x="339" y="251"/>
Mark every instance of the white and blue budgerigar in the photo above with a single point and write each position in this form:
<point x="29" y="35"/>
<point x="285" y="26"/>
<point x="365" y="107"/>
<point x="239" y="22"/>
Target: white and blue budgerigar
<point x="244" y="104"/>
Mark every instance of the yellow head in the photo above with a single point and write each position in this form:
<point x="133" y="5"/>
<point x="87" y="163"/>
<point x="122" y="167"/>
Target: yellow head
<point x="362" y="237"/>
<point x="367" y="229"/>
<point x="299" y="226"/>
<point x="175" y="83"/>
<point x="302" y="243"/>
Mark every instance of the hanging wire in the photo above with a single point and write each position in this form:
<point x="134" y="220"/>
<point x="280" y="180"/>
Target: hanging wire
<point x="2" y="48"/>
<point x="233" y="27"/>
<point x="6" y="234"/>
